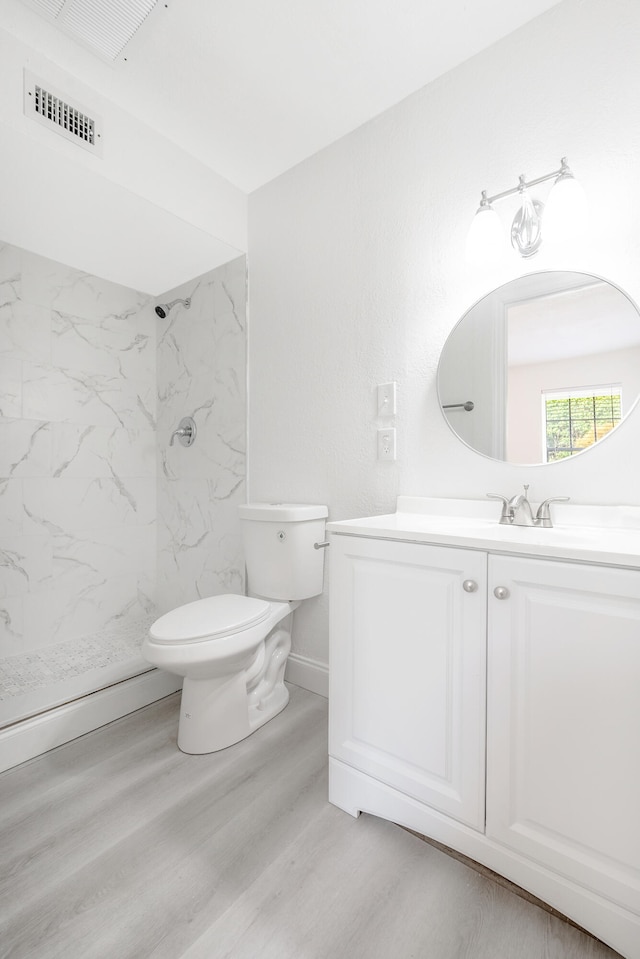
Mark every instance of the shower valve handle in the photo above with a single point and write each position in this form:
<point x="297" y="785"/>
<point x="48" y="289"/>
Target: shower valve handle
<point x="186" y="432"/>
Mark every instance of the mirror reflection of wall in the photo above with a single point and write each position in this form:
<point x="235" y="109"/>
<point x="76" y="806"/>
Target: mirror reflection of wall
<point x="467" y="372"/>
<point x="551" y="362"/>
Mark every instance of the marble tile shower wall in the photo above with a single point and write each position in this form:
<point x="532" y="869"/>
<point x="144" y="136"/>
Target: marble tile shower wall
<point x="77" y="455"/>
<point x="202" y="373"/>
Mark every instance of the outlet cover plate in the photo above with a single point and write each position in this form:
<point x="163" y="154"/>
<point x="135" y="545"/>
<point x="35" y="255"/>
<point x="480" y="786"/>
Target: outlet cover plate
<point x="387" y="444"/>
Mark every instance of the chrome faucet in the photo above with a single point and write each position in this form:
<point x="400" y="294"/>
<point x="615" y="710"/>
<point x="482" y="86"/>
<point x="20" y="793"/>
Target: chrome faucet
<point x="517" y="510"/>
<point x="520" y="509"/>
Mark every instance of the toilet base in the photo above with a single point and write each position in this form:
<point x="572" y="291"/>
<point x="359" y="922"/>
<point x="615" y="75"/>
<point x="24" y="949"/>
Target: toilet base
<point x="218" y="712"/>
<point x="213" y="713"/>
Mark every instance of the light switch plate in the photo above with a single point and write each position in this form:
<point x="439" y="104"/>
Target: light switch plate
<point x="387" y="399"/>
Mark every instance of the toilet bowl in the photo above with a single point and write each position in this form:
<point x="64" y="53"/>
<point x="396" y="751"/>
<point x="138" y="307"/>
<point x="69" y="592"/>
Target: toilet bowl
<point x="232" y="650"/>
<point x="232" y="683"/>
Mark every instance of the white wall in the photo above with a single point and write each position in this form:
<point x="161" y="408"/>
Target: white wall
<point x="357" y="271"/>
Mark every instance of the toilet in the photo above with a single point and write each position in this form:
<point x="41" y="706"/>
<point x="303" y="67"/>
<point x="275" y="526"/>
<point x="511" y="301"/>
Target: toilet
<point x="232" y="650"/>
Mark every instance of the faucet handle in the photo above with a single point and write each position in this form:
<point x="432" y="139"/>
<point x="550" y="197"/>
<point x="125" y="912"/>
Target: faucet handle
<point x="186" y="431"/>
<point x="506" y="515"/>
<point x="543" y="516"/>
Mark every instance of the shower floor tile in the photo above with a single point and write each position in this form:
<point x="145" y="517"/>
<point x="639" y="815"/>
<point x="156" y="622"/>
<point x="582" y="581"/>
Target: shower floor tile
<point x="47" y="677"/>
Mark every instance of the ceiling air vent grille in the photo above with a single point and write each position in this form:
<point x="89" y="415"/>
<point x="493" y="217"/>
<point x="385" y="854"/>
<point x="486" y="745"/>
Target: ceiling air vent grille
<point x="61" y="114"/>
<point x="106" y="27"/>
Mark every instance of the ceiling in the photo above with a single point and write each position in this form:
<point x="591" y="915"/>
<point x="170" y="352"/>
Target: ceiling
<point x="568" y="323"/>
<point x="250" y="88"/>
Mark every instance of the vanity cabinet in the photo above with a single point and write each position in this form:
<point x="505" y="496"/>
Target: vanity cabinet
<point x="563" y="722"/>
<point x="431" y="646"/>
<point x="408" y="669"/>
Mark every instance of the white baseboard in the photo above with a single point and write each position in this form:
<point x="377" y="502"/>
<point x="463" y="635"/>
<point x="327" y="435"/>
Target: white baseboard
<point x="308" y="673"/>
<point x="32" y="737"/>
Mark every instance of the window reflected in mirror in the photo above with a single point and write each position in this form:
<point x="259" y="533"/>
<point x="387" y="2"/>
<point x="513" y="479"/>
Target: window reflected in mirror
<point x="575" y="419"/>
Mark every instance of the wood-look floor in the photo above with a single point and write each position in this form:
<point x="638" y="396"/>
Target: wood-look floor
<point x="118" y="846"/>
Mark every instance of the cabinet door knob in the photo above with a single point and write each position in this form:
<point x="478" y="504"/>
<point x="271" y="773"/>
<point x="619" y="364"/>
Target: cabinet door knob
<point x="469" y="586"/>
<point x="501" y="592"/>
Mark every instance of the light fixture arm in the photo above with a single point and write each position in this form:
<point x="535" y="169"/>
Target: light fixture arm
<point x="525" y="184"/>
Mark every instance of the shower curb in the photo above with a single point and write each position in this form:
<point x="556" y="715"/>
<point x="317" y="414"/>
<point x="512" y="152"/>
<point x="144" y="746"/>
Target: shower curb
<point x="31" y="737"/>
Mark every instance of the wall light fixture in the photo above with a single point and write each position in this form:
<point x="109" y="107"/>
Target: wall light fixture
<point x="564" y="217"/>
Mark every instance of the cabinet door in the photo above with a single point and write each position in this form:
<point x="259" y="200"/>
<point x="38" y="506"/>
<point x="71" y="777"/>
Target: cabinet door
<point x="407" y="669"/>
<point x="563" y="748"/>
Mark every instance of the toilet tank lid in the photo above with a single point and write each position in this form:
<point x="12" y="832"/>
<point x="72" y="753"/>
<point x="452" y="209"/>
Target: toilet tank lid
<point x="282" y="512"/>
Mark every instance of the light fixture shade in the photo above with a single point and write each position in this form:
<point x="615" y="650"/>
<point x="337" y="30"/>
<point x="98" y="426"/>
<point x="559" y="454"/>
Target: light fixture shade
<point x="566" y="212"/>
<point x="485" y="237"/>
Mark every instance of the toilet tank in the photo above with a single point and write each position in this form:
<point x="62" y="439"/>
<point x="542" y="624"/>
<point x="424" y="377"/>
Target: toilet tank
<point x="278" y="539"/>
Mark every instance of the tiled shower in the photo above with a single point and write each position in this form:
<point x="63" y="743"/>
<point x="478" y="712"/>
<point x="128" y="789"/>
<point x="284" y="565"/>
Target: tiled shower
<point x="102" y="524"/>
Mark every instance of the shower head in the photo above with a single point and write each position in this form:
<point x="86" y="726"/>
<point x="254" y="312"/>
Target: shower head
<point x="162" y="309"/>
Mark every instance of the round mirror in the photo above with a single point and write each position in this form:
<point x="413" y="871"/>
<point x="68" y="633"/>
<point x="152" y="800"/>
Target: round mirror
<point x="542" y="368"/>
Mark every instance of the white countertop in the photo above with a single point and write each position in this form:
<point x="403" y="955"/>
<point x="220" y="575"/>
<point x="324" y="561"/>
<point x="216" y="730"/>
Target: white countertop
<point x="607" y="535"/>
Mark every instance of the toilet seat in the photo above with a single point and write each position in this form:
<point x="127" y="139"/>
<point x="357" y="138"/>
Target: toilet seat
<point x="211" y="618"/>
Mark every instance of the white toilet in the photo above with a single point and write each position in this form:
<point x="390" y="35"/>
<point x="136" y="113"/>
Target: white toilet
<point x="232" y="650"/>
